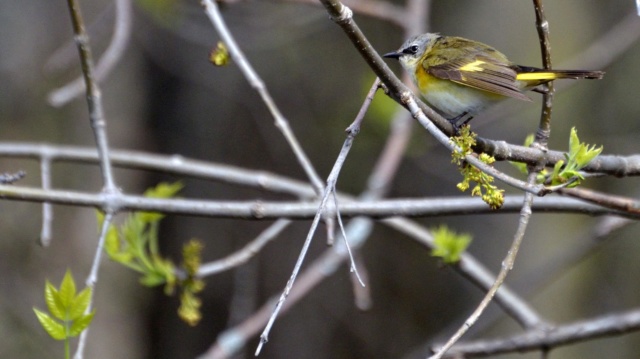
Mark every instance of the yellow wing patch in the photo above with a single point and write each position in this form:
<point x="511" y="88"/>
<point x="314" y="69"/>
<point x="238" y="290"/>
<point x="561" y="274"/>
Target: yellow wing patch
<point x="473" y="66"/>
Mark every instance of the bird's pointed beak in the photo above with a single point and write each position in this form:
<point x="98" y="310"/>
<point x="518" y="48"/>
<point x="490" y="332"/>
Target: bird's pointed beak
<point x="393" y="55"/>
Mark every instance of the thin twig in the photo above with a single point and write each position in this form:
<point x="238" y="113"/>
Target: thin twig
<point x="47" y="210"/>
<point x="357" y="122"/>
<point x="110" y="58"/>
<point x="93" y="279"/>
<point x="329" y="189"/>
<point x="243" y="255"/>
<point x="352" y="261"/>
<point x="94" y="97"/>
<point x="544" y="128"/>
<point x="361" y="294"/>
<point x="622" y="203"/>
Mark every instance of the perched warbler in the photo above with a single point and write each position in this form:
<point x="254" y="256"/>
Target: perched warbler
<point x="459" y="77"/>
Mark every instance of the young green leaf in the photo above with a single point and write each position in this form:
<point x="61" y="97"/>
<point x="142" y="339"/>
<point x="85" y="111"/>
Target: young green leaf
<point x="54" y="303"/>
<point x="448" y="245"/>
<point x="580" y="154"/>
<point x="112" y="242"/>
<point x="152" y="279"/>
<point x="67" y="290"/>
<point x="81" y="324"/>
<point x="80" y="304"/>
<point x="53" y="328"/>
<point x="574" y="141"/>
<point x="162" y="190"/>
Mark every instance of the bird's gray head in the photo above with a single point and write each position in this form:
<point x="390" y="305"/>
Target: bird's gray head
<point x="412" y="50"/>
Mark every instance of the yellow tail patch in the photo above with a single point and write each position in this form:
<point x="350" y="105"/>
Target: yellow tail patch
<point x="532" y="76"/>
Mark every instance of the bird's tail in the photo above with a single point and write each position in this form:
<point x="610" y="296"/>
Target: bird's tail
<point x="532" y="74"/>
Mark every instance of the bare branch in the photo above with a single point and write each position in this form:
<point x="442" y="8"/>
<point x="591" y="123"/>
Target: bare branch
<point x="94" y="97"/>
<point x="535" y="339"/>
<point x="93" y="279"/>
<point x="47" y="210"/>
<point x="544" y="128"/>
<point x="626" y="204"/>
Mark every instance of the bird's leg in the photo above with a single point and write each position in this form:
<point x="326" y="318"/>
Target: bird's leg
<point x="543" y="89"/>
<point x="455" y="122"/>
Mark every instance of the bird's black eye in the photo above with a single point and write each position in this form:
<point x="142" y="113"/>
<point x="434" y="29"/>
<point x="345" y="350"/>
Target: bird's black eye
<point x="411" y="50"/>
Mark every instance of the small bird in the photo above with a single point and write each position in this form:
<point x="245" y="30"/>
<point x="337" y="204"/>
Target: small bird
<point x="459" y="77"/>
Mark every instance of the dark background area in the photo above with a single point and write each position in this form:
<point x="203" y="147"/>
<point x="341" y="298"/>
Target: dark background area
<point x="166" y="97"/>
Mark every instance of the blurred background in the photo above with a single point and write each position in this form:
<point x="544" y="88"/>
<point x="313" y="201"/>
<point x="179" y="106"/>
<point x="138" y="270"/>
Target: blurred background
<point x="166" y="97"/>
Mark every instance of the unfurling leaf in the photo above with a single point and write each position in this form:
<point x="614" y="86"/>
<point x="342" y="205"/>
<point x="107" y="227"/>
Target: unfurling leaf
<point x="53" y="328"/>
<point x="67" y="290"/>
<point x="67" y="307"/>
<point x="580" y="154"/>
<point x="449" y="246"/>
<point x="81" y="324"/>
<point x="52" y="298"/>
<point x="80" y="304"/>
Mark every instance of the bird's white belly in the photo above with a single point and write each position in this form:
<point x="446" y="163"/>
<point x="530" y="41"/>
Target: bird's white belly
<point x="456" y="100"/>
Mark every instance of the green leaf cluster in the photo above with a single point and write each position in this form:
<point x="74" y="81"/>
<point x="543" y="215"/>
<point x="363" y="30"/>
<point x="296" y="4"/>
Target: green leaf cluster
<point x="566" y="172"/>
<point x="135" y="245"/>
<point x="490" y="194"/>
<point x="449" y="245"/>
<point x="68" y="310"/>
